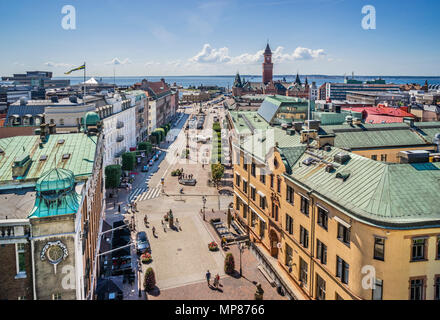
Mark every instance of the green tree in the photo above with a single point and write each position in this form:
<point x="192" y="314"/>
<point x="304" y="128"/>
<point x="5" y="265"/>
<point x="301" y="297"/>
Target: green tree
<point x="229" y="263"/>
<point x="145" y="146"/>
<point x="149" y="280"/>
<point x="128" y="161"/>
<point x="217" y="172"/>
<point x="216" y="127"/>
<point x="112" y="176"/>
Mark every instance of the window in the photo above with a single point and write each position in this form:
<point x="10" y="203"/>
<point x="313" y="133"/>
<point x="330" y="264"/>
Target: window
<point x="438" y="248"/>
<point x="289" y="195"/>
<point x="323" y="218"/>
<point x="321" y="252"/>
<point x="417" y="289"/>
<point x="245" y="210"/>
<point x="437" y="288"/>
<point x="61" y="122"/>
<point x="253" y="193"/>
<point x="289" y="255"/>
<point x="262" y="202"/>
<point x="379" y="248"/>
<point x="20" y="259"/>
<point x="275" y="211"/>
<point x="342" y="270"/>
<point x="320" y="288"/>
<point x="377" y="290"/>
<point x="304" y="205"/>
<point x="253" y="170"/>
<point x="418" y="249"/>
<point x="271" y="180"/>
<point x="303" y="270"/>
<point x="237" y="180"/>
<point x="383" y="157"/>
<point x="289" y="224"/>
<point x="56" y="296"/>
<point x="237" y="203"/>
<point x="304" y="237"/>
<point x="253" y="219"/>
<point x="343" y="234"/>
<point x="262" y="228"/>
<point x="374" y="157"/>
<point x="245" y="186"/>
<point x="278" y="184"/>
<point x="262" y="177"/>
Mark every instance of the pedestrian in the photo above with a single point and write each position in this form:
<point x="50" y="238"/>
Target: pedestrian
<point x="154" y="231"/>
<point x="216" y="281"/>
<point x="119" y="208"/>
<point x="208" y="278"/>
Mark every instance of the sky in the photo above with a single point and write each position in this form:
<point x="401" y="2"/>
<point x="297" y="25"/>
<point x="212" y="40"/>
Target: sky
<point x="220" y="37"/>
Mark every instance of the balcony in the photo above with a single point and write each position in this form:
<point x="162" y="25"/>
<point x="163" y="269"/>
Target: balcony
<point x="119" y="125"/>
<point x="119" y="138"/>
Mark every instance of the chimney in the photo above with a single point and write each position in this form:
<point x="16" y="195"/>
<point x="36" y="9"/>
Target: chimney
<point x="52" y="128"/>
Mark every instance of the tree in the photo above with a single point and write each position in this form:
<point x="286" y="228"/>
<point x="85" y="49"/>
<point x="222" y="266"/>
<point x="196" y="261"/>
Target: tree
<point x="128" y="161"/>
<point x="216" y="127"/>
<point x="217" y="172"/>
<point x="229" y="263"/>
<point x="112" y="176"/>
<point x="149" y="280"/>
<point x="145" y="146"/>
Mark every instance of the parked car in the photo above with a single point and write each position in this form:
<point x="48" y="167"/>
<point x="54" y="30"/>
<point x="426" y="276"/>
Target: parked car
<point x="142" y="243"/>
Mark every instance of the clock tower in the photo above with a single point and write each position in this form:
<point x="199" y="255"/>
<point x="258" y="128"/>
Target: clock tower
<point x="267" y="65"/>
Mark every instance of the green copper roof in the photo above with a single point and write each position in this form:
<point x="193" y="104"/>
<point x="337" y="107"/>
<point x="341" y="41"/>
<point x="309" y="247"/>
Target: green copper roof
<point x="67" y="204"/>
<point x="74" y="152"/>
<point x="55" y="179"/>
<point x="389" y="195"/>
<point x="55" y="194"/>
<point x="92" y="118"/>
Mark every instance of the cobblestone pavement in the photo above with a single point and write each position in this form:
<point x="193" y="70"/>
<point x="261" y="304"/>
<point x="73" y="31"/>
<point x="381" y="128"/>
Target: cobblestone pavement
<point x="232" y="287"/>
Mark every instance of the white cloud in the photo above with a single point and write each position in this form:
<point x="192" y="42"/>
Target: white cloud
<point x="117" y="61"/>
<point x="218" y="56"/>
<point x="56" y="65"/>
<point x="210" y="55"/>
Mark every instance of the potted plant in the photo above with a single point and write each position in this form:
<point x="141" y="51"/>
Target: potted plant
<point x="149" y="280"/>
<point x="229" y="264"/>
<point x="146" y="258"/>
<point x="213" y="246"/>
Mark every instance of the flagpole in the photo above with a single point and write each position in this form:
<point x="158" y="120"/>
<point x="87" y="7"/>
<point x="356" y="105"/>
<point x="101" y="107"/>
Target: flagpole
<point x="84" y="98"/>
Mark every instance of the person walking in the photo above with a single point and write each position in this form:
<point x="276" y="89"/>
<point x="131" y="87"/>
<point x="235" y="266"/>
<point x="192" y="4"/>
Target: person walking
<point x="216" y="281"/>
<point x="154" y="231"/>
<point x="208" y="278"/>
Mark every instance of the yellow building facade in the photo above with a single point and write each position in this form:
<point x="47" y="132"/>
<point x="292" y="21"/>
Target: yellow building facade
<point x="323" y="247"/>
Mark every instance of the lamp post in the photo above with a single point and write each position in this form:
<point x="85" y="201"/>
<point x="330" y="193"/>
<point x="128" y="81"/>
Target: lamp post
<point x="204" y="202"/>
<point x="241" y="248"/>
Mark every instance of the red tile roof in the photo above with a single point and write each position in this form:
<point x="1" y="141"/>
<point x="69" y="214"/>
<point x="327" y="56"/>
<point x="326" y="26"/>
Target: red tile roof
<point x="382" y="114"/>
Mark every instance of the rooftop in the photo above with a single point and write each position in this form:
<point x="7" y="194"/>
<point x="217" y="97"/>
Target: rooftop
<point x="74" y="152"/>
<point x="390" y="195"/>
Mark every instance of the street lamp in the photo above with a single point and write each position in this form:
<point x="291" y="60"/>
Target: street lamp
<point x="204" y="202"/>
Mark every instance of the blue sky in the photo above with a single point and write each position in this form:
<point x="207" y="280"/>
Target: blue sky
<point x="220" y="37"/>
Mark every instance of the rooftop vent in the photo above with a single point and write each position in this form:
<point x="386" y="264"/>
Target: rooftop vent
<point x="344" y="175"/>
<point x="341" y="158"/>
<point x="329" y="168"/>
<point x="309" y="161"/>
<point x="73" y="99"/>
<point x="61" y="141"/>
<point x="66" y="156"/>
<point x="43" y="157"/>
<point x="1" y="151"/>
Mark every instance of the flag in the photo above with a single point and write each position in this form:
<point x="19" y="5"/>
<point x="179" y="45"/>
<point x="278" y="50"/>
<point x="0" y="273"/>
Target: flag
<point x="76" y="69"/>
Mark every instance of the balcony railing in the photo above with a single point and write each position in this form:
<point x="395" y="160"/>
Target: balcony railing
<point x="119" y="138"/>
<point x="119" y="124"/>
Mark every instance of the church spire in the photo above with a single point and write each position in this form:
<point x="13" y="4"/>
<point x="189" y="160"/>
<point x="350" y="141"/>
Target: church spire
<point x="297" y="80"/>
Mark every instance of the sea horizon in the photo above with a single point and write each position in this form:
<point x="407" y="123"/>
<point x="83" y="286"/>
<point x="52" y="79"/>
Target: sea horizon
<point x="227" y="81"/>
